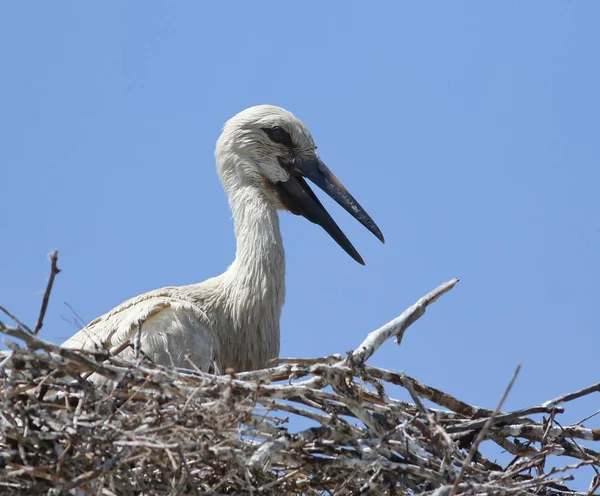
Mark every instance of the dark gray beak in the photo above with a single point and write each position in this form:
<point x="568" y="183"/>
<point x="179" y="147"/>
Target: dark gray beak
<point x="297" y="196"/>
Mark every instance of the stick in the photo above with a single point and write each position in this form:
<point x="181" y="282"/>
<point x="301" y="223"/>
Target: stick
<point x="595" y="388"/>
<point x="53" y="271"/>
<point x="480" y="437"/>
<point x="397" y="326"/>
<point x="13" y="317"/>
<point x="35" y="343"/>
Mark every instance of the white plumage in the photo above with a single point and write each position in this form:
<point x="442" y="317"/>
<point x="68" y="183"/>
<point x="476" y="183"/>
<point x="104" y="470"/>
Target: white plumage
<point x="232" y="320"/>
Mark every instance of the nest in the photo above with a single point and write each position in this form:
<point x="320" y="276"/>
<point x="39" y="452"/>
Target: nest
<point x="303" y="426"/>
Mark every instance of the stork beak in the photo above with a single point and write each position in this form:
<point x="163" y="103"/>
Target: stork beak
<point x="297" y="196"/>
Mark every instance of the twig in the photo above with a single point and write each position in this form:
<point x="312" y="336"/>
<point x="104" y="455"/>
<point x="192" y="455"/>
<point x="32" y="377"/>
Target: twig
<point x="397" y="326"/>
<point x="585" y="419"/>
<point x="77" y="320"/>
<point x="430" y="393"/>
<point x="584" y="452"/>
<point x="35" y="343"/>
<point x="53" y="271"/>
<point x="594" y="388"/>
<point x="13" y="317"/>
<point x="481" y="436"/>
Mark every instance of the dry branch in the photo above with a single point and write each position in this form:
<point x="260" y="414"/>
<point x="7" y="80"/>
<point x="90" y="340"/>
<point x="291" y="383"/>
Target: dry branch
<point x="53" y="271"/>
<point x="397" y="326"/>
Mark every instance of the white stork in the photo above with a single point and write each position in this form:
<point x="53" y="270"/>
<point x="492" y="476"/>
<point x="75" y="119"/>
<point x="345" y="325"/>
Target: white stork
<point x="232" y="320"/>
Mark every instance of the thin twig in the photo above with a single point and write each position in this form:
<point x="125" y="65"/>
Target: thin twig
<point x="481" y="436"/>
<point x="14" y="317"/>
<point x="77" y="320"/>
<point x="585" y="419"/>
<point x="53" y="271"/>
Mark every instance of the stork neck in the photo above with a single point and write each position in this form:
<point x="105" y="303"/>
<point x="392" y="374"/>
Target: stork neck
<point x="259" y="261"/>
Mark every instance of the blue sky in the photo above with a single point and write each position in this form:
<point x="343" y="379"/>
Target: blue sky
<point x="468" y="130"/>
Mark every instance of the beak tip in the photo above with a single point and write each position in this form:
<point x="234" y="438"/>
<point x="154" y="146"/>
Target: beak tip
<point x="379" y="235"/>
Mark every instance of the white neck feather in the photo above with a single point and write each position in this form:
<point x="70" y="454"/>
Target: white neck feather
<point x="254" y="284"/>
<point x="259" y="264"/>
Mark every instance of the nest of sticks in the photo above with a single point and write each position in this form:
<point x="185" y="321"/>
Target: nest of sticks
<point x="303" y="426"/>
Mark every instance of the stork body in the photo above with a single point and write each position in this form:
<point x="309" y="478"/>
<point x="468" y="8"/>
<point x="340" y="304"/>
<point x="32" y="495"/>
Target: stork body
<point x="232" y="320"/>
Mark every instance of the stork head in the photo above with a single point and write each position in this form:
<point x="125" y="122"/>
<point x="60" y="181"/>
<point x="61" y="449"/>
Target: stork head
<point x="268" y="147"/>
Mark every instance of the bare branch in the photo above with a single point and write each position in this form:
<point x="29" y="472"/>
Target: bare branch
<point x="53" y="271"/>
<point x="595" y="388"/>
<point x="397" y="326"/>
<point x="15" y="319"/>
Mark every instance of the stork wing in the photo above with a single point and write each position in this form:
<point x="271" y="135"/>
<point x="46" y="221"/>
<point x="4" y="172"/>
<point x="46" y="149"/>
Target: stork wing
<point x="173" y="332"/>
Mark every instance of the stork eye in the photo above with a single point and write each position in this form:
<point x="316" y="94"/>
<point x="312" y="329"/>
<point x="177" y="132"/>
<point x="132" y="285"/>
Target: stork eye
<point x="279" y="135"/>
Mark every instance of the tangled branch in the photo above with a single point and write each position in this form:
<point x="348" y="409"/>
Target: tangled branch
<point x="160" y="430"/>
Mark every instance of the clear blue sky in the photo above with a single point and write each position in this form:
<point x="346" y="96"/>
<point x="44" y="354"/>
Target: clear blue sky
<point x="468" y="130"/>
